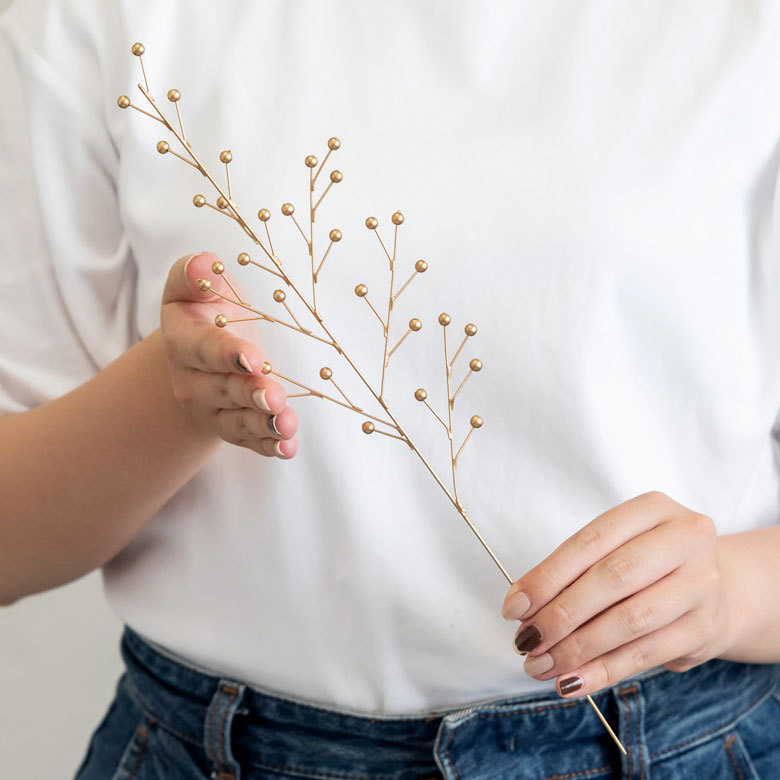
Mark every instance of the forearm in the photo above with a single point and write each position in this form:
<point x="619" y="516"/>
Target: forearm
<point x="750" y="564"/>
<point x="80" y="476"/>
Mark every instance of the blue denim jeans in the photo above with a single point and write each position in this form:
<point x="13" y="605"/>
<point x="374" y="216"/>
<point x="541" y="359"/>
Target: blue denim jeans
<point x="172" y="722"/>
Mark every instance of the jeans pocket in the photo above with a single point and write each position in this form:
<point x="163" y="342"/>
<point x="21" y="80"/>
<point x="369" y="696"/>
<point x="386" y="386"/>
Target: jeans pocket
<point x="130" y="765"/>
<point x="723" y="757"/>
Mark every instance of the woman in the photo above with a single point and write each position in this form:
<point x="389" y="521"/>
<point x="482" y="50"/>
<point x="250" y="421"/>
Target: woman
<point x="593" y="184"/>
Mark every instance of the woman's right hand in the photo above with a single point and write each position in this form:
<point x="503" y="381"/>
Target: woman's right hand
<point x="216" y="372"/>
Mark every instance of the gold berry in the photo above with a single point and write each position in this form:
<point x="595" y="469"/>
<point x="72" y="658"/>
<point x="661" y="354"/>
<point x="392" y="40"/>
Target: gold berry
<point x="243" y="259"/>
<point x="288" y="209"/>
<point x="470" y="329"/>
<point x="226" y="156"/>
<point x="420" y="394"/>
<point x="199" y="201"/>
<point x="334" y="235"/>
<point x="264" y="215"/>
<point x="421" y="266"/>
<point x="217" y="267"/>
<point x="311" y="161"/>
<point x="267" y="368"/>
<point x="204" y="285"/>
<point x="123" y="101"/>
<point x="162" y="147"/>
<point x="325" y="373"/>
<point x="415" y="324"/>
<point x="334" y="143"/>
<point x="475" y="365"/>
<point x="397" y="218"/>
<point x="476" y="421"/>
<point x="138" y="49"/>
<point x="222" y="202"/>
<point x="220" y="320"/>
<point x="371" y="223"/>
<point x="444" y="319"/>
<point x="361" y="290"/>
<point x="279" y="296"/>
<point x="336" y="176"/>
<point x="368" y="427"/>
<point x="174" y="95"/>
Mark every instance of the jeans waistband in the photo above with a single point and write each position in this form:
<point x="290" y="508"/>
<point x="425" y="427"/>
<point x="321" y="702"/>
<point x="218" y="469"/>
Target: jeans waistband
<point x="656" y="714"/>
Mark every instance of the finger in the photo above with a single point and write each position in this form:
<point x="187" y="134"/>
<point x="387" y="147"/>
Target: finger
<point x="578" y="553"/>
<point x="628" y="570"/>
<point x="271" y="448"/>
<point x="648" y="611"/>
<point x="671" y="642"/>
<point x="238" y="426"/>
<point x="233" y="391"/>
<point x="182" y="283"/>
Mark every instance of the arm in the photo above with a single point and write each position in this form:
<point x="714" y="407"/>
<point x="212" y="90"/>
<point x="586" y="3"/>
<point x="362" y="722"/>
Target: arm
<point x="81" y="475"/>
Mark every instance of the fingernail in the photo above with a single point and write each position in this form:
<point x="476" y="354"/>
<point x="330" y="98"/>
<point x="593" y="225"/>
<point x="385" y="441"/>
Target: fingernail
<point x="272" y="425"/>
<point x="242" y="364"/>
<point x="538" y="664"/>
<point x="516" y="606"/>
<point x="278" y="450"/>
<point x="258" y="398"/>
<point x="570" y="685"/>
<point x="191" y="258"/>
<point x="528" y="639"/>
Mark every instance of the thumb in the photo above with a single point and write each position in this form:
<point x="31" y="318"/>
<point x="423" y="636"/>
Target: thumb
<point x="182" y="283"/>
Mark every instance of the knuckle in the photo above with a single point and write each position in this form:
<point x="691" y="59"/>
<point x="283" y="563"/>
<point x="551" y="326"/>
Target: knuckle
<point x="603" y="673"/>
<point x="571" y="653"/>
<point x="564" y="616"/>
<point x="590" y="540"/>
<point x="637" y="617"/>
<point x="637" y="657"/>
<point x="549" y="576"/>
<point x="616" y="571"/>
<point x="701" y="526"/>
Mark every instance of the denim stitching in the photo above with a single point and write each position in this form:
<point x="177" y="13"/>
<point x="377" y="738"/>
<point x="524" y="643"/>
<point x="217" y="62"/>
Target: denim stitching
<point x="727" y="746"/>
<point x="309" y="773"/>
<point x="630" y="757"/>
<point x="583" y="772"/>
<point x="143" y="734"/>
<point x="638" y="738"/>
<point x="232" y="692"/>
<point x="721" y="727"/>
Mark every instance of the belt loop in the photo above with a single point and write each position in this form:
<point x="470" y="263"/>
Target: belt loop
<point x="630" y="705"/>
<point x="218" y="727"/>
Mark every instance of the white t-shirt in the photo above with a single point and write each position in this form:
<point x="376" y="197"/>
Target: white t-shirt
<point x="592" y="183"/>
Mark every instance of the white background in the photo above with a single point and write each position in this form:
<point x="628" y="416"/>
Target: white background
<point x="59" y="663"/>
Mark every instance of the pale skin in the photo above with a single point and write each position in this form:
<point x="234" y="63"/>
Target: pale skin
<point x="647" y="583"/>
<point x="80" y="476"/>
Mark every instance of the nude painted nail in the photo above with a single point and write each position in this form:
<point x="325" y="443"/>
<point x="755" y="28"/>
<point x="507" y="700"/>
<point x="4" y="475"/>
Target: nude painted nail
<point x="528" y="639"/>
<point x="278" y="450"/>
<point x="242" y="364"/>
<point x="516" y="606"/>
<point x="272" y="425"/>
<point x="258" y="398"/>
<point x="570" y="685"/>
<point x="538" y="664"/>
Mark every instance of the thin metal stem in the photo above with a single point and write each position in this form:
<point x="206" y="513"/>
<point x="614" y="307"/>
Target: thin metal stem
<point x="151" y="116"/>
<point x="460" y="386"/>
<point x="327" y="189"/>
<point x="181" y="124"/>
<point x="448" y="373"/>
<point x="295" y="319"/>
<point x="322" y="165"/>
<point x="457" y="352"/>
<point x="400" y="341"/>
<point x="381" y="321"/>
<point x="344" y="395"/>
<point x="322" y="262"/>
<point x="390" y="259"/>
<point x="433" y="412"/>
<point x="235" y="292"/>
<point x="404" y="286"/>
<point x="460" y="449"/>
<point x="227" y="177"/>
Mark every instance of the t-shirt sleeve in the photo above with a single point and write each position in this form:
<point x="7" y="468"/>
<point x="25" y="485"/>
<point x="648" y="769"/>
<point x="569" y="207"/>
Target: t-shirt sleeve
<point x="66" y="270"/>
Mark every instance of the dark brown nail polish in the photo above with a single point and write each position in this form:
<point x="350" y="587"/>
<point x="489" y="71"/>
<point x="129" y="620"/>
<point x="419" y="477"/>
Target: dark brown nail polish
<point x="272" y="425"/>
<point x="570" y="684"/>
<point x="241" y="363"/>
<point x="528" y="639"/>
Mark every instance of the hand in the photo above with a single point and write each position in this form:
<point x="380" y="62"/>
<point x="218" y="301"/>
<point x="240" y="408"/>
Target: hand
<point x="639" y="586"/>
<point x="216" y="372"/>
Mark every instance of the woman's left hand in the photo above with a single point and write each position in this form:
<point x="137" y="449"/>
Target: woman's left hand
<point x="640" y="586"/>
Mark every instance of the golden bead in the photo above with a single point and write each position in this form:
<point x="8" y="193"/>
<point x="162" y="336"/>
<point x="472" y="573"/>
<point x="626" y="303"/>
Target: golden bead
<point x="243" y="259"/>
<point x="361" y="291"/>
<point x="470" y="329"/>
<point x="415" y="324"/>
<point x="217" y="267"/>
<point x="162" y="147"/>
<point x="368" y="427"/>
<point x="336" y="176"/>
<point x="421" y="266"/>
<point x="334" y="143"/>
<point x="475" y="365"/>
<point x="420" y="394"/>
<point x="371" y="223"/>
<point x="288" y="209"/>
<point x="174" y="95"/>
<point x="226" y="156"/>
<point x="325" y="373"/>
<point x="444" y="319"/>
<point x="334" y="235"/>
<point x="267" y="368"/>
<point x="398" y="218"/>
<point x="476" y="421"/>
<point x="204" y="285"/>
<point x="279" y="296"/>
<point x="220" y="320"/>
<point x="311" y="161"/>
<point x="264" y="215"/>
<point x="138" y="49"/>
<point x="222" y="202"/>
<point x="199" y="201"/>
<point x="123" y="101"/>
